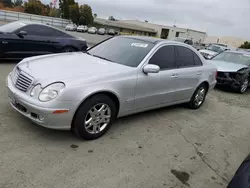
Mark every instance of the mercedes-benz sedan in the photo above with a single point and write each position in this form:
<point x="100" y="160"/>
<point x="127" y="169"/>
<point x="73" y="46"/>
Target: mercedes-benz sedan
<point x="86" y="92"/>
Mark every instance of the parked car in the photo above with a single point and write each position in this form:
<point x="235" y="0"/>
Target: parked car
<point x="86" y="92"/>
<point x="101" y="31"/>
<point x="111" y="32"/>
<point x="71" y="27"/>
<point x="92" y="30"/>
<point x="22" y="39"/>
<point x="220" y="44"/>
<point x="233" y="69"/>
<point x="82" y="28"/>
<point x="211" y="51"/>
<point x="184" y="40"/>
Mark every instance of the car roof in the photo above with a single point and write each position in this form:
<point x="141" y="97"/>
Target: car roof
<point x="145" y="38"/>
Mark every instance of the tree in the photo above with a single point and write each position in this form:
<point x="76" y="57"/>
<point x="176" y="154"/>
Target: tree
<point x="64" y="7"/>
<point x="74" y="13"/>
<point x="246" y="45"/>
<point x="18" y="3"/>
<point x="86" y="15"/>
<point x="54" y="12"/>
<point x="7" y="3"/>
<point x="34" y="7"/>
<point x="111" y="18"/>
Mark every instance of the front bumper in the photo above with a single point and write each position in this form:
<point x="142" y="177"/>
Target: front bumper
<point x="35" y="111"/>
<point x="228" y="82"/>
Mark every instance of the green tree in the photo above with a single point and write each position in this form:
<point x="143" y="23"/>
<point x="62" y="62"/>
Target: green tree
<point x="246" y="45"/>
<point x="34" y="7"/>
<point x="18" y="3"/>
<point x="54" y="12"/>
<point x="7" y="3"/>
<point x="64" y="7"/>
<point x="86" y="15"/>
<point x="74" y="13"/>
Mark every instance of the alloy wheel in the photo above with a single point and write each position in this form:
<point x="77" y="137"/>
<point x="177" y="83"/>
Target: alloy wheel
<point x="200" y="96"/>
<point x="97" y="118"/>
<point x="244" y="86"/>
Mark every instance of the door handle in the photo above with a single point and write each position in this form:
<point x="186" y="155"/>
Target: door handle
<point x="199" y="73"/>
<point x="174" y="76"/>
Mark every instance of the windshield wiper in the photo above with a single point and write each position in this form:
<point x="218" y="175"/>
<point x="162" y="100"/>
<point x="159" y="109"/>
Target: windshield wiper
<point x="101" y="57"/>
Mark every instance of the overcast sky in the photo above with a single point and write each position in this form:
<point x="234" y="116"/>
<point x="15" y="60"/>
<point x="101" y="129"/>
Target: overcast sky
<point x="216" y="17"/>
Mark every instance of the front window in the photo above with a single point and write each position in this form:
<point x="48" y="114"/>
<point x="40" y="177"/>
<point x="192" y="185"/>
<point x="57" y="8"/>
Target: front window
<point x="11" y="27"/>
<point x="215" y="48"/>
<point x="123" y="50"/>
<point x="238" y="58"/>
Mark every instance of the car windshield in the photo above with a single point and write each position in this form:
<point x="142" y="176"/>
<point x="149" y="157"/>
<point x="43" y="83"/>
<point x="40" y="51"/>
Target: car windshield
<point x="239" y="58"/>
<point x="122" y="50"/>
<point x="179" y="39"/>
<point x="215" y="48"/>
<point x="11" y="27"/>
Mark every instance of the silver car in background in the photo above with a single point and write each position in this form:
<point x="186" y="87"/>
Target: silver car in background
<point x="212" y="50"/>
<point x="86" y="92"/>
<point x="92" y="30"/>
<point x="82" y="28"/>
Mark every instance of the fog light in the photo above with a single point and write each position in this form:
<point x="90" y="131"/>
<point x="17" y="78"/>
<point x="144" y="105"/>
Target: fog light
<point x="41" y="118"/>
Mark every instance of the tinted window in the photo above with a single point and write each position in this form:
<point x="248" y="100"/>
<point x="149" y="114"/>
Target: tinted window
<point x="42" y="31"/>
<point x="123" y="50"/>
<point x="197" y="60"/>
<point x="185" y="57"/>
<point x="164" y="58"/>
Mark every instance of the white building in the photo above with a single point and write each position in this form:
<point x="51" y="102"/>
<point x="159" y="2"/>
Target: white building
<point x="169" y="32"/>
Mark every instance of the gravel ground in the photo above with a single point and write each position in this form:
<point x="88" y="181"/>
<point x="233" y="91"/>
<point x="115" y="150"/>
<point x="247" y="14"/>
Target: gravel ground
<point x="170" y="147"/>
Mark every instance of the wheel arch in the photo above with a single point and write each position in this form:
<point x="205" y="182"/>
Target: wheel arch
<point x="110" y="94"/>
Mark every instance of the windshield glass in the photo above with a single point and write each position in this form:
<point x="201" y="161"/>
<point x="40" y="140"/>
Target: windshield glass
<point x="179" y="39"/>
<point x="11" y="27"/>
<point x="122" y="50"/>
<point x="238" y="58"/>
<point x="215" y="48"/>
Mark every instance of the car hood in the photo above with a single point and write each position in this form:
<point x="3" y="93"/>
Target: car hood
<point x="224" y="66"/>
<point x="68" y="66"/>
<point x="209" y="52"/>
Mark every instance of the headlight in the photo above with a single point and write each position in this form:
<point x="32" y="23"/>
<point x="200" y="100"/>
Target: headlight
<point x="209" y="56"/>
<point x="51" y="91"/>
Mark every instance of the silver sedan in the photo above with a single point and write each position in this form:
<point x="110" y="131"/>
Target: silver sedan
<point x="86" y="92"/>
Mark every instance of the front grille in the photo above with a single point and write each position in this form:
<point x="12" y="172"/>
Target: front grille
<point x="21" y="80"/>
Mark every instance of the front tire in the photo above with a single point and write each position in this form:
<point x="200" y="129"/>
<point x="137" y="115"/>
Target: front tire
<point x="244" y="85"/>
<point x="94" y="117"/>
<point x="198" y="97"/>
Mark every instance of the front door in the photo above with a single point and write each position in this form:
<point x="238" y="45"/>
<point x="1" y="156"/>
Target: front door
<point x="157" y="88"/>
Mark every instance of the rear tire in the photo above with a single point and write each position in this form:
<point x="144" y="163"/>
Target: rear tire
<point x="68" y="49"/>
<point x="198" y="97"/>
<point x="94" y="117"/>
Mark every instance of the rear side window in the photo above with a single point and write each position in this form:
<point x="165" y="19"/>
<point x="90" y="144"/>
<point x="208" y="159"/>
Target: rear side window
<point x="164" y="58"/>
<point x="186" y="57"/>
<point x="41" y="30"/>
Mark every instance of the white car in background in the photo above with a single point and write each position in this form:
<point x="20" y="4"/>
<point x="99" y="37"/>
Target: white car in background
<point x="82" y="28"/>
<point x="92" y="30"/>
<point x="71" y="27"/>
<point x="212" y="50"/>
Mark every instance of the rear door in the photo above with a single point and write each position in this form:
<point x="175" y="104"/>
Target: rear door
<point x="188" y="73"/>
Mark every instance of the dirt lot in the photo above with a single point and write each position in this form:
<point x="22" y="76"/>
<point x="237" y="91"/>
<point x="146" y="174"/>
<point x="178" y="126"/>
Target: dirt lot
<point x="171" y="147"/>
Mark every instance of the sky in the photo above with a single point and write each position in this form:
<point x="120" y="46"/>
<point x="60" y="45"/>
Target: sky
<point x="216" y="17"/>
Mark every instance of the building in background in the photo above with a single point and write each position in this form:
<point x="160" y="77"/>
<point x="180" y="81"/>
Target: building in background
<point x="150" y="29"/>
<point x="229" y="40"/>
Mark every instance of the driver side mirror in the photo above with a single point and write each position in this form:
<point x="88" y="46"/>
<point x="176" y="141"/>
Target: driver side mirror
<point x="22" y="33"/>
<point x="151" y="68"/>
